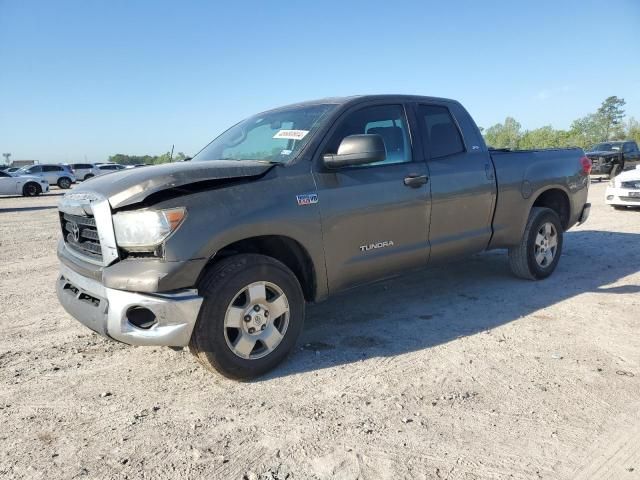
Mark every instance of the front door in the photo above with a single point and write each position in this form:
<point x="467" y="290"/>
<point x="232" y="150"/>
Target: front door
<point x="374" y="217"/>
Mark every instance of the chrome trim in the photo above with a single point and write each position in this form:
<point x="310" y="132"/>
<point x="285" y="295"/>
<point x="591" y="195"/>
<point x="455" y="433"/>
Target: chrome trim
<point x="176" y="313"/>
<point x="90" y="203"/>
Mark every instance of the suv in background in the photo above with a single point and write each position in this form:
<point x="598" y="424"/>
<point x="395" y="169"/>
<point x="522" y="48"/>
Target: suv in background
<point x="84" y="171"/>
<point x="60" y="175"/>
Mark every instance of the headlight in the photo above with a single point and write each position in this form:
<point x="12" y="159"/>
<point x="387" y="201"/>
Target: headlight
<point x="144" y="229"/>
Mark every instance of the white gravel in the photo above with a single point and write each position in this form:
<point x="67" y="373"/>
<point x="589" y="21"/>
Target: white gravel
<point x="461" y="371"/>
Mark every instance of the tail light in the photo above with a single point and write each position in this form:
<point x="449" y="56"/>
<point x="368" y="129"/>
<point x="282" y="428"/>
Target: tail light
<point x="586" y="165"/>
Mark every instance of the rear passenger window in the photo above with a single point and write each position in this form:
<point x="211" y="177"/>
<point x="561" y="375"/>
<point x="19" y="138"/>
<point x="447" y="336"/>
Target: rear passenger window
<point x="439" y="131"/>
<point x="51" y="168"/>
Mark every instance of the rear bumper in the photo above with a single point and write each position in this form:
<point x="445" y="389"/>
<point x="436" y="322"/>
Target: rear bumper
<point x="105" y="310"/>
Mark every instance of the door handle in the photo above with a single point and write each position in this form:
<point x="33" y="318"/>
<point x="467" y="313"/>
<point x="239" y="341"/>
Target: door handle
<point x="415" y="181"/>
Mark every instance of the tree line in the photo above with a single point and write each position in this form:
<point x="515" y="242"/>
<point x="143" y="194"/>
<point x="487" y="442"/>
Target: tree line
<point x="146" y="159"/>
<point x="606" y="124"/>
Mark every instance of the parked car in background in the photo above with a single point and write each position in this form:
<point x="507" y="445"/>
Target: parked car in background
<point x="610" y="158"/>
<point x="54" y="174"/>
<point x="29" y="186"/>
<point x="624" y="190"/>
<point x="13" y="170"/>
<point x="84" y="171"/>
<point x="108" y="167"/>
<point x="137" y="165"/>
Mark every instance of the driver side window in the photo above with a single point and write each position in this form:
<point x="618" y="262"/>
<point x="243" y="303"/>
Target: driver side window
<point x="388" y="121"/>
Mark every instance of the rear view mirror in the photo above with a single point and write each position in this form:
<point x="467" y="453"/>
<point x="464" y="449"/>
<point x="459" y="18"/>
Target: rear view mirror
<point x="357" y="150"/>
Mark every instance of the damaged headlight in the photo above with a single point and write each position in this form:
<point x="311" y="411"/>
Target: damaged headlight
<point x="143" y="230"/>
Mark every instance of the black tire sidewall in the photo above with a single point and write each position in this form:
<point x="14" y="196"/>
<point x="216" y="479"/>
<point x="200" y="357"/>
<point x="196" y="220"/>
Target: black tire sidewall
<point x="543" y="217"/>
<point x="209" y="330"/>
<point x="27" y="190"/>
<point x="64" y="180"/>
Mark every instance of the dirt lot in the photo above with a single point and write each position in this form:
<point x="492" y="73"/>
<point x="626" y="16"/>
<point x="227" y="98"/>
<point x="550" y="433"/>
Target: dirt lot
<point x="461" y="371"/>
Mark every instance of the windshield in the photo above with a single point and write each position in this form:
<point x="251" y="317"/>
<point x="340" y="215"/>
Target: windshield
<point x="603" y="147"/>
<point x="274" y="137"/>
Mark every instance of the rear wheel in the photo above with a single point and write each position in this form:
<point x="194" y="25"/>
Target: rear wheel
<point x="31" y="189"/>
<point x="251" y="316"/>
<point x="538" y="253"/>
<point x="88" y="176"/>
<point x="64" y="183"/>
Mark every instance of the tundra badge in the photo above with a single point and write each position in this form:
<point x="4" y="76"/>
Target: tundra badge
<point x="372" y="246"/>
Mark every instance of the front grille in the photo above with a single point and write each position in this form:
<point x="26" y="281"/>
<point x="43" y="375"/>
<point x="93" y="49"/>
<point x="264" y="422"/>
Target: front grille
<point x="632" y="185"/>
<point x="80" y="234"/>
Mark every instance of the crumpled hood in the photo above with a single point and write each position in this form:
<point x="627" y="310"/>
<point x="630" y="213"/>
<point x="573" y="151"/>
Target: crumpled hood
<point x="130" y="186"/>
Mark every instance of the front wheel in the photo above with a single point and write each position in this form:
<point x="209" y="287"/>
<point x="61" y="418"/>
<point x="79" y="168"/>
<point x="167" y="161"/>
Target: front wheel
<point x="251" y="316"/>
<point x="31" y="190"/>
<point x="538" y="253"/>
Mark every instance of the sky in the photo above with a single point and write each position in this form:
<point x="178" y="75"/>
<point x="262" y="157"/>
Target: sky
<point x="87" y="79"/>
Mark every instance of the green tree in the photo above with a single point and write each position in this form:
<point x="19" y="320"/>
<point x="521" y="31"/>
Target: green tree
<point x="504" y="135"/>
<point x="632" y="130"/>
<point x="610" y="116"/>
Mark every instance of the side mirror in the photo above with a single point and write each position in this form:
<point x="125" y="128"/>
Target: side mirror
<point x="357" y="150"/>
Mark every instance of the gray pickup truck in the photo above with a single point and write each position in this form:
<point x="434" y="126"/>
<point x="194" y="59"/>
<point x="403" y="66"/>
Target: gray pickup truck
<point x="293" y="205"/>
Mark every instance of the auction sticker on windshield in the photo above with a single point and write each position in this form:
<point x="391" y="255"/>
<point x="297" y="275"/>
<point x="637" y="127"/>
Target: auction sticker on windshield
<point x="291" y="134"/>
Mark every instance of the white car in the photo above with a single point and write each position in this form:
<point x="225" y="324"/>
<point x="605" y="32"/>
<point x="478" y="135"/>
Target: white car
<point x="26" y="185"/>
<point x="54" y="174"/>
<point x="84" y="171"/>
<point x="108" y="168"/>
<point x="624" y="190"/>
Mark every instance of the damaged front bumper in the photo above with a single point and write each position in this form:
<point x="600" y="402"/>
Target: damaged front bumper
<point x="165" y="319"/>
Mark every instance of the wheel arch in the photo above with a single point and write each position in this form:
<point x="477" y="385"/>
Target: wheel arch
<point x="556" y="199"/>
<point x="280" y="247"/>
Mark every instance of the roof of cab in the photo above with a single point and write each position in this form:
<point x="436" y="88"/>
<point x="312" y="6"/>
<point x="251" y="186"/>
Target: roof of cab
<point x="364" y="98"/>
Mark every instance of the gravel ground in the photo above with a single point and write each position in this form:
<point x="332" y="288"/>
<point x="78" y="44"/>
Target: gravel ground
<point x="460" y="371"/>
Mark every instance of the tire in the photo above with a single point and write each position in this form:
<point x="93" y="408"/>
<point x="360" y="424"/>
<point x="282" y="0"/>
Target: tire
<point x="64" y="183"/>
<point x="88" y="176"/>
<point x="619" y="207"/>
<point x="31" y="189"/>
<point x="228" y="301"/>
<point x="525" y="259"/>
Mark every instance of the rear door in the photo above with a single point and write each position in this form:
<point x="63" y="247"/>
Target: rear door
<point x="463" y="185"/>
<point x="373" y="223"/>
<point x="52" y="173"/>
